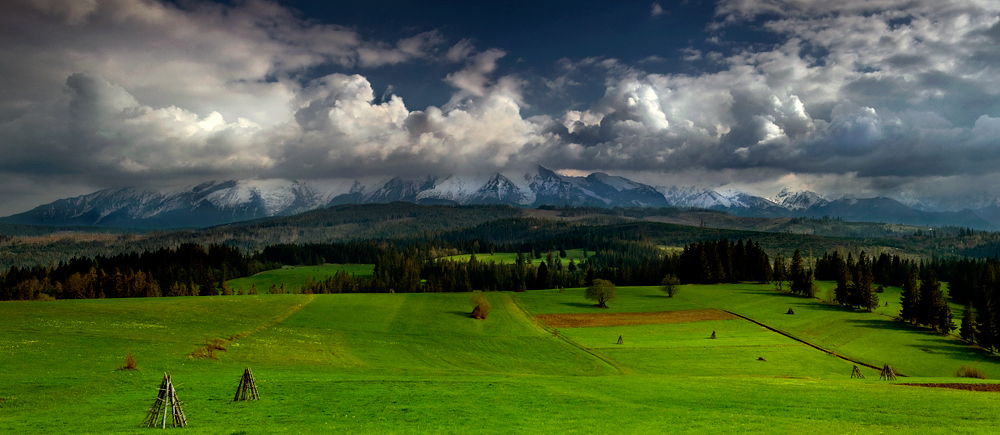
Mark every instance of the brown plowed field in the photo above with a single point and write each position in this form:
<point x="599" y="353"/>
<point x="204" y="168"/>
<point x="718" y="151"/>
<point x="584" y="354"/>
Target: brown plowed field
<point x="993" y="388"/>
<point x="622" y="319"/>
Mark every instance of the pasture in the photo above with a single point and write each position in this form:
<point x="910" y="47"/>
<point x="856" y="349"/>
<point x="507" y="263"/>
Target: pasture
<point x="510" y="257"/>
<point x="417" y="363"/>
<point x="294" y="277"/>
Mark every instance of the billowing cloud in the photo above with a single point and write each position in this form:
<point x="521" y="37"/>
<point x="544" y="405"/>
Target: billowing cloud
<point x="888" y="96"/>
<point x="881" y="93"/>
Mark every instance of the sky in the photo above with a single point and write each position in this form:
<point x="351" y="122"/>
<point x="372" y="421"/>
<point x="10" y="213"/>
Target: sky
<point x="854" y="97"/>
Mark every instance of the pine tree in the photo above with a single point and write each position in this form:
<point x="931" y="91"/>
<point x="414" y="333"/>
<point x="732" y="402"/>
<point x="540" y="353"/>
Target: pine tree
<point x="801" y="279"/>
<point x="864" y="295"/>
<point x="844" y="284"/>
<point x="968" y="330"/>
<point x="778" y="273"/>
<point x="909" y="299"/>
<point x="208" y="285"/>
<point x="933" y="307"/>
<point x="542" y="277"/>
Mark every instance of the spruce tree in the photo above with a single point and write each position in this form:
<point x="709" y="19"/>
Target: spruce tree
<point x="798" y="272"/>
<point x="986" y="323"/>
<point x="909" y="299"/>
<point x="933" y="307"/>
<point x="843" y="290"/>
<point x="542" y="277"/>
<point x="778" y="273"/>
<point x="968" y="330"/>
<point x="864" y="294"/>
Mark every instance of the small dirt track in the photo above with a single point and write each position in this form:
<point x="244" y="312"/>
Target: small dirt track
<point x="624" y="319"/>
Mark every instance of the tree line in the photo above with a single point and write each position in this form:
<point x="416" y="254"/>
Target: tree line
<point x="186" y="270"/>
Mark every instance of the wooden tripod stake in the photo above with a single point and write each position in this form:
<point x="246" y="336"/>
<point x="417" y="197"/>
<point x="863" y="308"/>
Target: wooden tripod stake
<point x="166" y="405"/>
<point x="857" y="373"/>
<point x="247" y="390"/>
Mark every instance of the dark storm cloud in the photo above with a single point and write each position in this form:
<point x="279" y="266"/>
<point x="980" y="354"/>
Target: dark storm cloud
<point x="856" y="94"/>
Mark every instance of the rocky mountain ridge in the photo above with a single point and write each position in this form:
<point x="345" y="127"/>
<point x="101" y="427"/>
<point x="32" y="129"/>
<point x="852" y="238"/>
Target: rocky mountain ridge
<point x="220" y="202"/>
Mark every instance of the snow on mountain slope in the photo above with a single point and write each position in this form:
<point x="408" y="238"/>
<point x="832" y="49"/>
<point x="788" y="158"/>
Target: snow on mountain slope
<point x="218" y="202"/>
<point x="800" y="200"/>
<point x="694" y="197"/>
<point x="500" y="190"/>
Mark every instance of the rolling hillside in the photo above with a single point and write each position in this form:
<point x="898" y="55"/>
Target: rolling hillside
<point x="416" y="363"/>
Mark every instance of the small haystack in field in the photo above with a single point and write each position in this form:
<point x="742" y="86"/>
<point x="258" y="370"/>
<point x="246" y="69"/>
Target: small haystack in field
<point x="620" y="340"/>
<point x="790" y="311"/>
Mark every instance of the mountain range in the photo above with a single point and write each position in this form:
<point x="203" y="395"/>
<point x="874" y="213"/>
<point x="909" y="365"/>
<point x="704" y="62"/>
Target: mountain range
<point x="220" y="202"/>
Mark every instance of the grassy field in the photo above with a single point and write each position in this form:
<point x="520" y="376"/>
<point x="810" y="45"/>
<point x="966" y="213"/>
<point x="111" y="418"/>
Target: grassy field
<point x="417" y="363"/>
<point x="510" y="258"/>
<point x="294" y="277"/>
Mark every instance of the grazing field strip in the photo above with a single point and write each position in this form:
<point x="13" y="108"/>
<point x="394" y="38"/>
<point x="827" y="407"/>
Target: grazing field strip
<point x="206" y="349"/>
<point x="810" y="344"/>
<point x="991" y="388"/>
<point x="627" y="319"/>
<point x="516" y="306"/>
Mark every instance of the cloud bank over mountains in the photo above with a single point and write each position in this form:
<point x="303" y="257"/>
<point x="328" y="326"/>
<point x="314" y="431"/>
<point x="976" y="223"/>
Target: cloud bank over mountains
<point x="871" y="98"/>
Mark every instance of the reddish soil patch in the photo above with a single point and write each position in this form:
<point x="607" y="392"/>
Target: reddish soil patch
<point x="993" y="388"/>
<point x="623" y="319"/>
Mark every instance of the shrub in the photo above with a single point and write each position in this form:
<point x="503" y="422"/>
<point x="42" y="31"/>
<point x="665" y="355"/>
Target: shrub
<point x="129" y="362"/>
<point x="970" y="372"/>
<point x="208" y="351"/>
<point x="481" y="306"/>
<point x="216" y="344"/>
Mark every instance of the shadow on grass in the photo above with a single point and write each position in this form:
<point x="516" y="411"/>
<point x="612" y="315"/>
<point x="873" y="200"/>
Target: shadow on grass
<point x="889" y="324"/>
<point x="807" y="304"/>
<point x="579" y="305"/>
<point x="461" y="313"/>
<point x="953" y="349"/>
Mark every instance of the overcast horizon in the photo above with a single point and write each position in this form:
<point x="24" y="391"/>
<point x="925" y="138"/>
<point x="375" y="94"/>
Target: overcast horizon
<point x="899" y="98"/>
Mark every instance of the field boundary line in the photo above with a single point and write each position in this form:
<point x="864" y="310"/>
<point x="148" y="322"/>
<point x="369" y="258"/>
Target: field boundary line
<point x="622" y="370"/>
<point x="814" y="346"/>
<point x="294" y="310"/>
<point x="207" y="351"/>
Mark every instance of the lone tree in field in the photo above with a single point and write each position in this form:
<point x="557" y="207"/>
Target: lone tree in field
<point x="670" y="284"/>
<point x="601" y="291"/>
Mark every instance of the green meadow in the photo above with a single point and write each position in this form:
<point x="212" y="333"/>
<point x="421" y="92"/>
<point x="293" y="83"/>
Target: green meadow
<point x="510" y="257"/>
<point x="294" y="277"/>
<point x="417" y="363"/>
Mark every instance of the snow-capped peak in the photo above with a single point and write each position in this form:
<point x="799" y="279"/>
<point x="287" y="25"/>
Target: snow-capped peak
<point x="798" y="200"/>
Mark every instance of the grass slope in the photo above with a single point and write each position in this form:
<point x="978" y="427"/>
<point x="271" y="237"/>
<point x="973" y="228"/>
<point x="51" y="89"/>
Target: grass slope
<point x="416" y="363"/>
<point x="294" y="277"/>
<point x="511" y="257"/>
